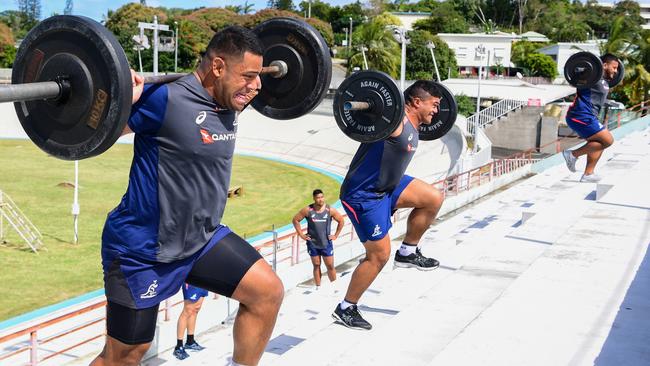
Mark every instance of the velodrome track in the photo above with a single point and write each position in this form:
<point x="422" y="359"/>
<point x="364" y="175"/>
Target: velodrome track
<point x="567" y="287"/>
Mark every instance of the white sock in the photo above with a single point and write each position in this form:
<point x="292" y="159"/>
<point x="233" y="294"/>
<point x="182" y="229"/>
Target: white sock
<point x="344" y="304"/>
<point x="407" y="249"/>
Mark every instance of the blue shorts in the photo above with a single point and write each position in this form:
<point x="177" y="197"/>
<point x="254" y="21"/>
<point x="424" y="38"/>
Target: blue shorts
<point x="193" y="293"/>
<point x="137" y="283"/>
<point x="315" y="252"/>
<point x="371" y="218"/>
<point x="585" y="127"/>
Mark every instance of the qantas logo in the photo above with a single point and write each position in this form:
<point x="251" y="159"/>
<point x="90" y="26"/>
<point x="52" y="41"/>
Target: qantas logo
<point x="210" y="138"/>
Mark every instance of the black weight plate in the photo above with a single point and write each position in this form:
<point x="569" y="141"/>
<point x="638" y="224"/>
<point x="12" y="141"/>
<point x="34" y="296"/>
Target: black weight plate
<point x="93" y="115"/>
<point x="309" y="66"/>
<point x="442" y="122"/>
<point x="583" y="70"/>
<point x="620" y="74"/>
<point x="385" y="115"/>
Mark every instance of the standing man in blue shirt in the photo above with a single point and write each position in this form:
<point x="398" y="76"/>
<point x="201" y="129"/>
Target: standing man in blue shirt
<point x="167" y="229"/>
<point x="319" y="236"/>
<point x="376" y="186"/>
<point x="582" y="117"/>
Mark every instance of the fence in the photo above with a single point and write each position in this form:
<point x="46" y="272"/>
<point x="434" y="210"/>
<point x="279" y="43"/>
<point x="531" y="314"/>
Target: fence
<point x="490" y="114"/>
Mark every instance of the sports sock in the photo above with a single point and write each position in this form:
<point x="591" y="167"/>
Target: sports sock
<point x="346" y="304"/>
<point x="407" y="249"/>
<point x="179" y="344"/>
<point x="190" y="339"/>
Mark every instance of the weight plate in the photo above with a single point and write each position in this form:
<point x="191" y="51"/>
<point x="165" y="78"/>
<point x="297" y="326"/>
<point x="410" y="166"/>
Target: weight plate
<point x="583" y="70"/>
<point x="309" y="66"/>
<point x="92" y="116"/>
<point x="387" y="106"/>
<point x="442" y="122"/>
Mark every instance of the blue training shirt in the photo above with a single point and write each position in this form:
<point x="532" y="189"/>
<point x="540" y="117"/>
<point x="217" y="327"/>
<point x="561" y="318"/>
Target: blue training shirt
<point x="178" y="184"/>
<point x="589" y="101"/>
<point x="377" y="167"/>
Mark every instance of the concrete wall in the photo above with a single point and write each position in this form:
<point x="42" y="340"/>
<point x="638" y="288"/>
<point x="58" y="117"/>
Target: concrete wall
<point x="519" y="130"/>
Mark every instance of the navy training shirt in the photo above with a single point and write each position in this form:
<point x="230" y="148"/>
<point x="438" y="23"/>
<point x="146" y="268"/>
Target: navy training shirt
<point x="589" y="101"/>
<point x="178" y="184"/>
<point x="377" y="167"/>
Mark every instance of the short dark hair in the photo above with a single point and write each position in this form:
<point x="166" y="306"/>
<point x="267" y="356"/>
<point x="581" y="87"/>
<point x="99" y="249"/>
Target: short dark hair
<point x="608" y="57"/>
<point x="421" y="89"/>
<point x="317" y="192"/>
<point x="234" y="41"/>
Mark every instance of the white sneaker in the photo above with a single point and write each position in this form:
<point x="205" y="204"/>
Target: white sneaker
<point x="591" y="178"/>
<point x="570" y="160"/>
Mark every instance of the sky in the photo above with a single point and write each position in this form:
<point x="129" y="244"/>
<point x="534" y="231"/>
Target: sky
<point x="97" y="8"/>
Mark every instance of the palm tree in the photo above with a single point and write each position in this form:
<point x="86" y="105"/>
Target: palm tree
<point x="383" y="51"/>
<point x="637" y="78"/>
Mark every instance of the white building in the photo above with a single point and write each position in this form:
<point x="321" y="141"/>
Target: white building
<point x="561" y="52"/>
<point x="479" y="49"/>
<point x="409" y="18"/>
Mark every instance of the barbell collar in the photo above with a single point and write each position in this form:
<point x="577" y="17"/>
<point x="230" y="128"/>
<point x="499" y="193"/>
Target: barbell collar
<point x="30" y="91"/>
<point x="356" y="106"/>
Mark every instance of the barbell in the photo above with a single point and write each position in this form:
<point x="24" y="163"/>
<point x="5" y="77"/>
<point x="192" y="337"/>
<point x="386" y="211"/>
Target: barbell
<point x="369" y="106"/>
<point x="585" y="69"/>
<point x="71" y="81"/>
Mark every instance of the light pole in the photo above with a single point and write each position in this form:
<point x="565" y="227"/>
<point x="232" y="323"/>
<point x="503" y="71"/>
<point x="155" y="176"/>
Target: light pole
<point x="431" y="46"/>
<point x="365" y="60"/>
<point x="176" y="47"/>
<point x="309" y="10"/>
<point x="350" y="43"/>
<point x="480" y="52"/>
<point x="399" y="33"/>
<point x="155" y="45"/>
<point x="346" y="36"/>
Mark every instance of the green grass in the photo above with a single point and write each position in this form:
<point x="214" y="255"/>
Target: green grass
<point x="273" y="193"/>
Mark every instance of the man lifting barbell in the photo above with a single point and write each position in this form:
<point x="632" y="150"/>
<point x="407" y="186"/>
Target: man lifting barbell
<point x="167" y="229"/>
<point x="371" y="108"/>
<point x="592" y="77"/>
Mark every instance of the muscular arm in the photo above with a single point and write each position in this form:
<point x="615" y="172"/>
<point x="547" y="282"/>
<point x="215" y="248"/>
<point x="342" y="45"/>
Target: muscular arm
<point x="296" y="223"/>
<point x="340" y="221"/>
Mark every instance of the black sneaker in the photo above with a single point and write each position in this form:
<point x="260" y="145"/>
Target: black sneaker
<point x="415" y="260"/>
<point x="180" y="353"/>
<point x="350" y="317"/>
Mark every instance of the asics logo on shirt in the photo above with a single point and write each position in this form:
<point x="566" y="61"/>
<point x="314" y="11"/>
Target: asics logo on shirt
<point x="201" y="117"/>
<point x="411" y="137"/>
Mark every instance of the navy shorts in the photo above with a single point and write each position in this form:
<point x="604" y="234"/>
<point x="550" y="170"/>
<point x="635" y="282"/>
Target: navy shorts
<point x="322" y="252"/>
<point x="193" y="293"/>
<point x="585" y="127"/>
<point x="138" y="284"/>
<point x="371" y="218"/>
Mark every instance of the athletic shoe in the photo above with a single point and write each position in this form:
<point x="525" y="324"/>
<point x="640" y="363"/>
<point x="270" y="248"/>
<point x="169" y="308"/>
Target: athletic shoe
<point x="194" y="347"/>
<point x="415" y="260"/>
<point x="350" y="317"/>
<point x="591" y="178"/>
<point x="180" y="353"/>
<point x="570" y="160"/>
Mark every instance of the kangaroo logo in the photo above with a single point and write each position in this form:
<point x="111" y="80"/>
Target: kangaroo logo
<point x="377" y="231"/>
<point x="151" y="291"/>
<point x="201" y="117"/>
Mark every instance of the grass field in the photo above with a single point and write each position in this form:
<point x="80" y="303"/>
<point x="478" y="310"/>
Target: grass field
<point x="273" y="192"/>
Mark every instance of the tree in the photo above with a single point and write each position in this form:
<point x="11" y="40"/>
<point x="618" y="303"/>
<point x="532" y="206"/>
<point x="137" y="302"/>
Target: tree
<point x="281" y="4"/>
<point x="7" y="48"/>
<point x="31" y="13"/>
<point x="466" y="106"/>
<point x="340" y="16"/>
<point x="444" y="19"/>
<point x="419" y="64"/>
<point x="319" y="9"/>
<point x="541" y="65"/>
<point x="383" y="51"/>
<point x="521" y="50"/>
<point x="68" y="7"/>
